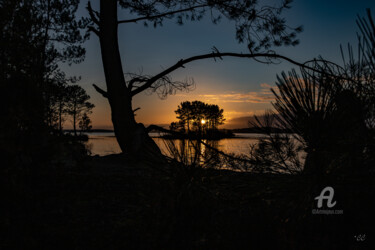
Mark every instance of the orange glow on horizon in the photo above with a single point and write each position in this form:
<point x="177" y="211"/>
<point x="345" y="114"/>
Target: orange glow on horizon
<point x="236" y="104"/>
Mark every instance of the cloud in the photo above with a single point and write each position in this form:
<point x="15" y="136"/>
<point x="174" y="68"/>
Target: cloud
<point x="265" y="85"/>
<point x="232" y="115"/>
<point x="235" y="113"/>
<point x="264" y="95"/>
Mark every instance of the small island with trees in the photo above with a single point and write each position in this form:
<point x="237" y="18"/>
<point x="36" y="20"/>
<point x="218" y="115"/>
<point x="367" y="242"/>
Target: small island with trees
<point x="198" y="120"/>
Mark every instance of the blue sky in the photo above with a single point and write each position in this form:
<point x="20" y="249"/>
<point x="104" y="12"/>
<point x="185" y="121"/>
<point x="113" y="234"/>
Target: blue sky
<point x="240" y="86"/>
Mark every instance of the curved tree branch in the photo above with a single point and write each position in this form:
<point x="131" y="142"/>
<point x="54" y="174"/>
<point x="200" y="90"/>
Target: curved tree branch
<point x="217" y="54"/>
<point x="94" y="15"/>
<point x="134" y="80"/>
<point x="92" y="29"/>
<point x="104" y="93"/>
<point x="135" y="110"/>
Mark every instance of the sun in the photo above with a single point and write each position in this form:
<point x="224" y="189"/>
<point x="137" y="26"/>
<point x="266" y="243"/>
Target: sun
<point x="203" y="121"/>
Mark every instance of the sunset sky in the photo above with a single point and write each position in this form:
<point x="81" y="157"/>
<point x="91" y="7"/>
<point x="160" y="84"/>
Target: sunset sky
<point x="239" y="86"/>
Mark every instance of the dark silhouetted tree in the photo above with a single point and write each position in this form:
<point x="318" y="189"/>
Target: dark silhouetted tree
<point x="199" y="116"/>
<point x="37" y="35"/>
<point x="330" y="109"/>
<point x="306" y="105"/>
<point x="214" y="116"/>
<point x="260" y="26"/>
<point x="85" y="123"/>
<point x="184" y="114"/>
<point x="78" y="105"/>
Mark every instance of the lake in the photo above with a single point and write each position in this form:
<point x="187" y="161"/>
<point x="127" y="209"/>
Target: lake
<point x="105" y="143"/>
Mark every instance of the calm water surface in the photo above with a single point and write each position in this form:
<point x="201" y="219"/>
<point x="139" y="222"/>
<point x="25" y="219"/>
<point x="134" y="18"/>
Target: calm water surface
<point x="105" y="143"/>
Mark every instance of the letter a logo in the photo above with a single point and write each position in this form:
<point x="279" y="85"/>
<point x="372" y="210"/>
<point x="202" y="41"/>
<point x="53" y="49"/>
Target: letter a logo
<point x="328" y="197"/>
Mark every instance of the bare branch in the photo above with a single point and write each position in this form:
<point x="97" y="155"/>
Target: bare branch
<point x="162" y="15"/>
<point x="166" y="86"/>
<point x="134" y="110"/>
<point x="92" y="29"/>
<point x="93" y="14"/>
<point x="104" y="93"/>
<point x="182" y="62"/>
<point x="134" y="80"/>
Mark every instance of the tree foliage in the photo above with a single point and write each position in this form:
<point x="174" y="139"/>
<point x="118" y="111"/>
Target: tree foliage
<point x="197" y="116"/>
<point x="330" y="109"/>
<point x="258" y="25"/>
<point x="78" y="106"/>
<point x="37" y="36"/>
<point x="85" y="123"/>
<point x="261" y="26"/>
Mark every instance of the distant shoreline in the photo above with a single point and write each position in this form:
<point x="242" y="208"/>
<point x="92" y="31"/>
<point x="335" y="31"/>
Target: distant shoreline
<point x="92" y="131"/>
<point x="236" y="131"/>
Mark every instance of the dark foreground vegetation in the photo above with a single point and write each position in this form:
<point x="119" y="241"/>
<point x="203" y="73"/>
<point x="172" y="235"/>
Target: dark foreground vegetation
<point x="116" y="202"/>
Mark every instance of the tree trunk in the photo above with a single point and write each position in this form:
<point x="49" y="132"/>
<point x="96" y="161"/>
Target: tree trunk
<point x="74" y="123"/>
<point x="131" y="137"/>
<point x="60" y="117"/>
